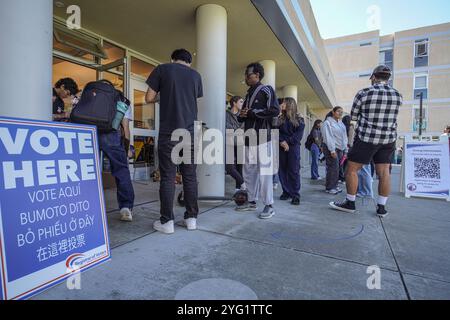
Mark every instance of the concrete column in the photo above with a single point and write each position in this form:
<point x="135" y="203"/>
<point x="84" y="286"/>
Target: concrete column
<point x="26" y="32"/>
<point x="290" y="92"/>
<point x="212" y="65"/>
<point x="303" y="110"/>
<point x="270" y="73"/>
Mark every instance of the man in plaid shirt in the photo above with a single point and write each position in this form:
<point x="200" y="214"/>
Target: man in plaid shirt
<point x="375" y="110"/>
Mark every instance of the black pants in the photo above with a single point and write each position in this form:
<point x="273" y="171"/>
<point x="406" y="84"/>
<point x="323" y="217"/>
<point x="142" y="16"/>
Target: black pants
<point x="168" y="174"/>
<point x="235" y="170"/>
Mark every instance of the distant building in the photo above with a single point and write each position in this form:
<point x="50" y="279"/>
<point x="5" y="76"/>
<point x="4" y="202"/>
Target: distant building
<point x="420" y="59"/>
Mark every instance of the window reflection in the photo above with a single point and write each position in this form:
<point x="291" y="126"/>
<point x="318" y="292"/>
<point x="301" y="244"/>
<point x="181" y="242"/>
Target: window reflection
<point x="144" y="114"/>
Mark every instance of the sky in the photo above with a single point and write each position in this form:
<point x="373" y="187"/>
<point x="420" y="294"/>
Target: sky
<point x="338" y="18"/>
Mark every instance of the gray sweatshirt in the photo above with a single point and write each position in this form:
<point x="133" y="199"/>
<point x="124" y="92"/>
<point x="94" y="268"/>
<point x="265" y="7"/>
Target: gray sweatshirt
<point x="334" y="135"/>
<point x="232" y="121"/>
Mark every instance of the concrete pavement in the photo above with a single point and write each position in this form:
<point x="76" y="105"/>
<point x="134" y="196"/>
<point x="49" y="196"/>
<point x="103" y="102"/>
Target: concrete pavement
<point x="305" y="252"/>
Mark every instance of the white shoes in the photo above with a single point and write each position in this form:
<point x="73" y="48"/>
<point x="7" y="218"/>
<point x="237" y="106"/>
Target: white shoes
<point x="126" y="215"/>
<point x="167" y="228"/>
<point x="191" y="224"/>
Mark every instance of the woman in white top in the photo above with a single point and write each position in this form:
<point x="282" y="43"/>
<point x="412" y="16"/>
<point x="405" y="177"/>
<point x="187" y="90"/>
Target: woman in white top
<point x="335" y="143"/>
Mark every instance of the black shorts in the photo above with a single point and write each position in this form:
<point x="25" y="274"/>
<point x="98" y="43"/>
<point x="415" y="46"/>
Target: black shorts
<point x="363" y="152"/>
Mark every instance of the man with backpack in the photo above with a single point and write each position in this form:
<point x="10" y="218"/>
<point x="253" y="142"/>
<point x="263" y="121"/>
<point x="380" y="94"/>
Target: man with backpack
<point x="260" y="108"/>
<point x="99" y="106"/>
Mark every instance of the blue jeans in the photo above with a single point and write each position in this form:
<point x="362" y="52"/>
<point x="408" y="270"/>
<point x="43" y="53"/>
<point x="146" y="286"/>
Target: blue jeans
<point x="365" y="182"/>
<point x="315" y="154"/>
<point x="110" y="144"/>
<point x="276" y="178"/>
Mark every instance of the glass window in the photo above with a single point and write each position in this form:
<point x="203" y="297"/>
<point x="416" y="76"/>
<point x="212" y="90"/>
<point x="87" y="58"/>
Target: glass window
<point x="421" y="48"/>
<point x="421" y="82"/>
<point x="144" y="150"/>
<point x="113" y="53"/>
<point x="141" y="68"/>
<point x="116" y="80"/>
<point x="144" y="114"/>
<point x="77" y="44"/>
<point x="387" y="58"/>
<point x="81" y="75"/>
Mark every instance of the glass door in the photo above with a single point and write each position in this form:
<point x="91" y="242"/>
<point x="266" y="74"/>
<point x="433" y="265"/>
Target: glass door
<point x="144" y="128"/>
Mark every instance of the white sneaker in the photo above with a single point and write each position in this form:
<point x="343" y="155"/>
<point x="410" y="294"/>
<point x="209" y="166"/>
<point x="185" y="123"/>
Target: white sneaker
<point x="275" y="186"/>
<point x="126" y="215"/>
<point x="167" y="228"/>
<point x="191" y="224"/>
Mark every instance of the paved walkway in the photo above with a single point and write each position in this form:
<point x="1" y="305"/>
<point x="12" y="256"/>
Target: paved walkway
<point x="306" y="252"/>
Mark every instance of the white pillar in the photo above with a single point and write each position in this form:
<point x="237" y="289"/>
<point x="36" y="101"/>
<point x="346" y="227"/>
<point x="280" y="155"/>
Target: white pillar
<point x="270" y="73"/>
<point x="26" y="33"/>
<point x="212" y="65"/>
<point x="290" y="92"/>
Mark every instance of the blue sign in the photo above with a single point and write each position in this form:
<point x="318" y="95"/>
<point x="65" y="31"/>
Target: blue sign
<point x="52" y="210"/>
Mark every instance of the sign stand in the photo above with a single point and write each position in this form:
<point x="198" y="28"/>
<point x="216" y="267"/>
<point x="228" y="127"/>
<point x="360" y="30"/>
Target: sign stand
<point x="53" y="222"/>
<point x="426" y="167"/>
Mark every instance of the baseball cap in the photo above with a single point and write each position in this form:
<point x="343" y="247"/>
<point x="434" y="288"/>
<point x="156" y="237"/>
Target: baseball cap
<point x="382" y="69"/>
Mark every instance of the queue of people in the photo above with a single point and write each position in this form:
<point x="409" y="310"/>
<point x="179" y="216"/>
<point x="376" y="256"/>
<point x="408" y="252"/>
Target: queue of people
<point x="350" y="145"/>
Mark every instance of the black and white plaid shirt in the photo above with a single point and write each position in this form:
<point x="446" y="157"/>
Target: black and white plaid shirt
<point x="376" y="110"/>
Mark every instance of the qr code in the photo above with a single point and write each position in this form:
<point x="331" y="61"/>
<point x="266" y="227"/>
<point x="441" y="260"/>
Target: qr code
<point x="426" y="168"/>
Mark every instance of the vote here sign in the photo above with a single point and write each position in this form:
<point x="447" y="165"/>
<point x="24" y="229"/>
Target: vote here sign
<point x="52" y="211"/>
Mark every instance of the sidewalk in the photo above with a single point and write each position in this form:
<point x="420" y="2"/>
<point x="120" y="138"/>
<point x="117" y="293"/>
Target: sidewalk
<point x="306" y="252"/>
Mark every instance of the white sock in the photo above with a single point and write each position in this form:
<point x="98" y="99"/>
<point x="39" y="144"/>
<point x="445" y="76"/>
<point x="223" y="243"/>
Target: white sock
<point x="351" y="198"/>
<point x="382" y="200"/>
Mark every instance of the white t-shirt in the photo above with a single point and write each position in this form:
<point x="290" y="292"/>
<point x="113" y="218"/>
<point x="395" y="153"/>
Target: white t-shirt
<point x="128" y="114"/>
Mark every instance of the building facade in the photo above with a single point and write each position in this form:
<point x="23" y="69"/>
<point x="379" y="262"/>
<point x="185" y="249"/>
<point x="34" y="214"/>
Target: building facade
<point x="124" y="41"/>
<point x="420" y="59"/>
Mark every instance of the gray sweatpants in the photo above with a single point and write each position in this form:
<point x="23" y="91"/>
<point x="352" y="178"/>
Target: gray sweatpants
<point x="258" y="173"/>
<point x="332" y="168"/>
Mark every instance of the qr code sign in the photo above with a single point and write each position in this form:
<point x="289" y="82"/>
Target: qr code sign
<point x="426" y="168"/>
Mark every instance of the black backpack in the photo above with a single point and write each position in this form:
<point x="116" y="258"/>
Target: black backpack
<point x="97" y="106"/>
<point x="309" y="142"/>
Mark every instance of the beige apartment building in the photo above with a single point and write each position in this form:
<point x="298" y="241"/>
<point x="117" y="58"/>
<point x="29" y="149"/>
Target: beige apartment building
<point x="420" y="59"/>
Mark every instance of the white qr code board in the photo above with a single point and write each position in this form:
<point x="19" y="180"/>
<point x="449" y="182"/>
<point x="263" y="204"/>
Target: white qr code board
<point x="427" y="169"/>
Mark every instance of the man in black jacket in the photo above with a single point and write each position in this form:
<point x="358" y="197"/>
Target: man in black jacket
<point x="260" y="108"/>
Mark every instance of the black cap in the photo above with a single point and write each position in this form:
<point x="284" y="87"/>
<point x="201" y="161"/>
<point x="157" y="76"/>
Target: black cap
<point x="382" y="69"/>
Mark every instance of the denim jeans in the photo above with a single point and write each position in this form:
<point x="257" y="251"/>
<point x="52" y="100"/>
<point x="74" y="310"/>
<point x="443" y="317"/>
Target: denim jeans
<point x="315" y="153"/>
<point x="276" y="178"/>
<point x="365" y="182"/>
<point x="167" y="187"/>
<point x="110" y="144"/>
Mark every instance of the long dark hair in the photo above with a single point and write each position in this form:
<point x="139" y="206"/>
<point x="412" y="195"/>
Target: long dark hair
<point x="316" y="124"/>
<point x="330" y="114"/>
<point x="291" y="113"/>
<point x="347" y="120"/>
